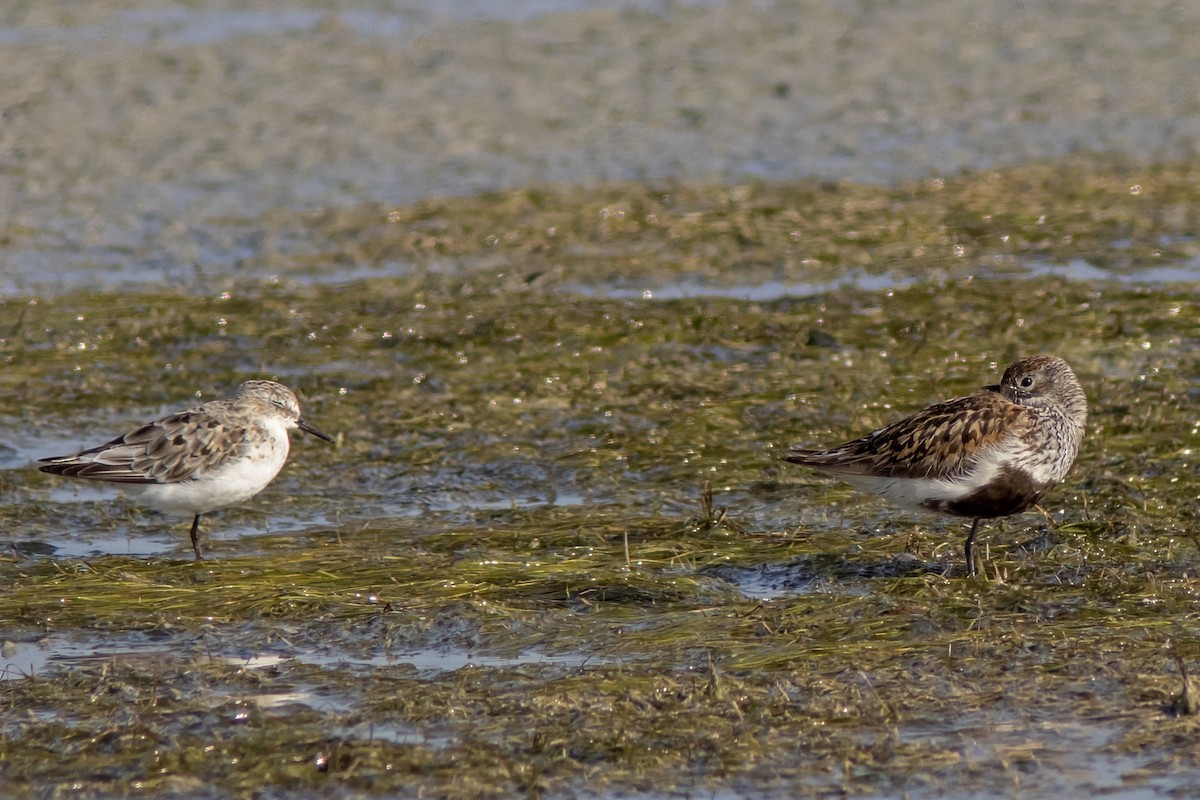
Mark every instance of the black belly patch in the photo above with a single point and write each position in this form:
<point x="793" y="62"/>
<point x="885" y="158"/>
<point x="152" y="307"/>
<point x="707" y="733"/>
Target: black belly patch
<point x="1010" y="492"/>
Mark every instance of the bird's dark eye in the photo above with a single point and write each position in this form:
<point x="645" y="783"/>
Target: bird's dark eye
<point x="1026" y="382"/>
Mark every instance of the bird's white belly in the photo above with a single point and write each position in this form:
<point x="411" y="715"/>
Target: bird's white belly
<point x="918" y="493"/>
<point x="235" y="482"/>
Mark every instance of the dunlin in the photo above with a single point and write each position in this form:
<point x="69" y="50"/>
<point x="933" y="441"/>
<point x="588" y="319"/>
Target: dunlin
<point x="214" y="455"/>
<point x="991" y="454"/>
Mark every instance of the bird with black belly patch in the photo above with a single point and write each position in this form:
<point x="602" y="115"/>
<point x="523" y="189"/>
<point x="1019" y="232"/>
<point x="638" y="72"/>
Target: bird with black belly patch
<point x="991" y="454"/>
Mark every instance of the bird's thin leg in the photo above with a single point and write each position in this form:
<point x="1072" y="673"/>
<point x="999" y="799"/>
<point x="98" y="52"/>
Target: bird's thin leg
<point x="969" y="547"/>
<point x="196" y="543"/>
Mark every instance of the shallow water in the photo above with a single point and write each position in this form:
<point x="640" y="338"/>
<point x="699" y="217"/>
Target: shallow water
<point x="53" y="654"/>
<point x="768" y="291"/>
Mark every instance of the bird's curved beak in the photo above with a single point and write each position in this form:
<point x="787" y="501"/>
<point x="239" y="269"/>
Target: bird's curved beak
<point x="304" y="426"/>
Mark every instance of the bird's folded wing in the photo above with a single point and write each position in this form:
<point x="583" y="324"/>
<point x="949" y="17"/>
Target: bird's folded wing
<point x="942" y="441"/>
<point x="179" y="447"/>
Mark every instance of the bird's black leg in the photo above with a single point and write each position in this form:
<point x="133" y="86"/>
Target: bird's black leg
<point x="970" y="548"/>
<point x="196" y="543"/>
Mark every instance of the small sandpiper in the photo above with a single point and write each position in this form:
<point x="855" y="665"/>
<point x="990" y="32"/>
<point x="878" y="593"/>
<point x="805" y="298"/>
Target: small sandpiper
<point x="213" y="455"/>
<point x="991" y="454"/>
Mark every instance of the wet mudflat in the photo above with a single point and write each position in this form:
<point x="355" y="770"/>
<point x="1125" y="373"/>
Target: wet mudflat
<point x="555" y="550"/>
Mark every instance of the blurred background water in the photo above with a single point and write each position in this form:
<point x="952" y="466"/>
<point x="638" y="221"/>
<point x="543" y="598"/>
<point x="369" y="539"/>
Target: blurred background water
<point x="142" y="141"/>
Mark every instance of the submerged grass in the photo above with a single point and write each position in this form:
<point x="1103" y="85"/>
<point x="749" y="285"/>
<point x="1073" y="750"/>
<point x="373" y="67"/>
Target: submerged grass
<point x="587" y="491"/>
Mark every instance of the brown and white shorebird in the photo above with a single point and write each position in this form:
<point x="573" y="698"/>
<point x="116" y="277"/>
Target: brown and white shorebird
<point x="990" y="454"/>
<point x="213" y="455"/>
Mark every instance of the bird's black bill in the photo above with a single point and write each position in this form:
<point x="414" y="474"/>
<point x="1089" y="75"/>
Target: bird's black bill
<point x="304" y="426"/>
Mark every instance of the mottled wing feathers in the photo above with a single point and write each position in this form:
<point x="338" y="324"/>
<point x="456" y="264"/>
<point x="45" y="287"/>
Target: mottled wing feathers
<point x="941" y="441"/>
<point x="175" y="448"/>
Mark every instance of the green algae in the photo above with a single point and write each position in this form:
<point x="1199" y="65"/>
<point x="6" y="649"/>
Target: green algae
<point x="1120" y="216"/>
<point x="526" y="469"/>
